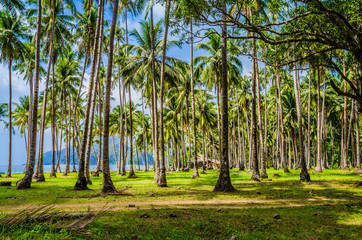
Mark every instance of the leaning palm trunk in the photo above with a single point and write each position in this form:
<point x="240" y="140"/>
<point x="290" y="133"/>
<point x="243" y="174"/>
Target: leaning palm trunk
<point x="162" y="168"/>
<point x="107" y="181"/>
<point x="224" y="182"/>
<point x="81" y="183"/>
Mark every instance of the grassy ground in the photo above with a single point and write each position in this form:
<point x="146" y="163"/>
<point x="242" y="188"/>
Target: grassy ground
<point x="328" y="207"/>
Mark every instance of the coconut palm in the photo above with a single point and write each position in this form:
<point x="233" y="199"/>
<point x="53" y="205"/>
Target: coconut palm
<point x="12" y="35"/>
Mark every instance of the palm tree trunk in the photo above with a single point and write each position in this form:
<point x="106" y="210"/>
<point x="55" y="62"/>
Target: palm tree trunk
<point x="254" y="140"/>
<point x="345" y="139"/>
<point x="52" y="173"/>
<point x="39" y="175"/>
<point x="308" y="131"/>
<point x="358" y="147"/>
<point x="304" y="175"/>
<point x="26" y="181"/>
<point x="81" y="183"/>
<point x="261" y="140"/>
<point x="29" y="120"/>
<point x="332" y="136"/>
<point x="145" y="160"/>
<point x="282" y="133"/>
<point x="131" y="170"/>
<point x="240" y="159"/>
<point x="8" y="175"/>
<point x="162" y="169"/>
<point x="107" y="181"/>
<point x="224" y="182"/>
<point x="195" y="174"/>
<point x="156" y="162"/>
<point x="319" y="115"/>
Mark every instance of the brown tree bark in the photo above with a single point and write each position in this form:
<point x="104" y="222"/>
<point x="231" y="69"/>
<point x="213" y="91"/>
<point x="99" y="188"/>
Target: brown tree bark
<point x="224" y="182"/>
<point x="81" y="183"/>
<point x="196" y="171"/>
<point x="25" y="182"/>
<point x="107" y="181"/>
<point x="162" y="168"/>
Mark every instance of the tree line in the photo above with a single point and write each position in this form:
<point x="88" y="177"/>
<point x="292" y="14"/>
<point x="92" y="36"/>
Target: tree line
<point x="298" y="108"/>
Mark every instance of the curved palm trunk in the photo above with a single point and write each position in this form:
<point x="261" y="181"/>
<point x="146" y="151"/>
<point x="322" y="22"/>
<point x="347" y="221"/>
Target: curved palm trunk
<point x="81" y="183"/>
<point x="8" y="175"/>
<point x="224" y="183"/>
<point x="107" y="181"/>
<point x="196" y="171"/>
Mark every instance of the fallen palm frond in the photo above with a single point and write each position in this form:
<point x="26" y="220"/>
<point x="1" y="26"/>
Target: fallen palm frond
<point x="86" y="220"/>
<point x="45" y="214"/>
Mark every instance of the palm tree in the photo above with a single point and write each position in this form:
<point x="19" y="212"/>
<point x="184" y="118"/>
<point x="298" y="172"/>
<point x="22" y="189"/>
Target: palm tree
<point x="12" y="5"/>
<point x="107" y="181"/>
<point x="224" y="183"/>
<point x="207" y="119"/>
<point x="21" y="116"/>
<point x="12" y="33"/>
<point x="3" y="113"/>
<point x="81" y="183"/>
<point x="26" y="181"/>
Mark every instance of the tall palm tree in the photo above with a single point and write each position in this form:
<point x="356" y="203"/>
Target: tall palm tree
<point x="107" y="181"/>
<point x="26" y="181"/>
<point x="81" y="183"/>
<point x="12" y="33"/>
<point x="224" y="182"/>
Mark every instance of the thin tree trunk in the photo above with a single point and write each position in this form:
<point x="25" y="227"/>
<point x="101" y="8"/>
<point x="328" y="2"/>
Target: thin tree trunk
<point x="345" y="139"/>
<point x="81" y="183"/>
<point x="319" y="116"/>
<point x="261" y="139"/>
<point x="162" y="169"/>
<point x="308" y="133"/>
<point x="195" y="174"/>
<point x="131" y="170"/>
<point x="254" y="140"/>
<point x="224" y="182"/>
<point x="26" y="181"/>
<point x="8" y="175"/>
<point x="107" y="181"/>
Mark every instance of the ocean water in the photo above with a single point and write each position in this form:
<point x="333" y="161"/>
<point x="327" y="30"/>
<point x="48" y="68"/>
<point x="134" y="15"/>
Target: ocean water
<point x="47" y="168"/>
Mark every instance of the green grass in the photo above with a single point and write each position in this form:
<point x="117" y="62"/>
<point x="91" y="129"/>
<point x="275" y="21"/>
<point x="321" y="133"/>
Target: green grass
<point x="328" y="207"/>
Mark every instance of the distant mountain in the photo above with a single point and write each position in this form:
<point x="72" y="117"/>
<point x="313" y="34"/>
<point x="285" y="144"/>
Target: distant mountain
<point x="112" y="159"/>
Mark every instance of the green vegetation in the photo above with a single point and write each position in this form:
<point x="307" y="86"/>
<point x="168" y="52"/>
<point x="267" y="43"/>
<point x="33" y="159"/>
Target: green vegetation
<point x="329" y="207"/>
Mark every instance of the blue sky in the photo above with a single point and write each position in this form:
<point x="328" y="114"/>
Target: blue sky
<point x="20" y="88"/>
